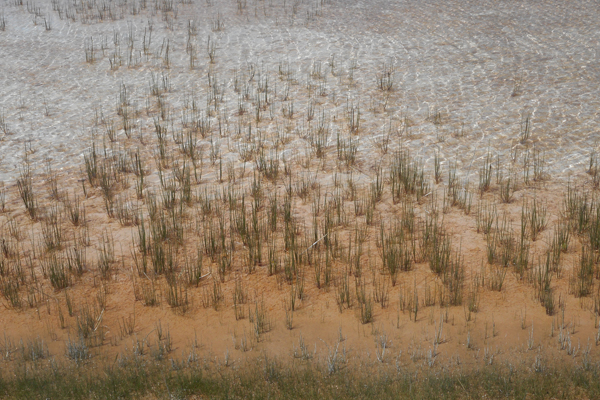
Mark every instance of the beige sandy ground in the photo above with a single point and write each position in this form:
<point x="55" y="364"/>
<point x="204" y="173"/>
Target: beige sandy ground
<point x="510" y="325"/>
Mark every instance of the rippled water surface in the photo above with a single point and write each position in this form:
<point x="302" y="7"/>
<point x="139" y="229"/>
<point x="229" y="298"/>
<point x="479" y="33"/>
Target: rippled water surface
<point x="483" y="66"/>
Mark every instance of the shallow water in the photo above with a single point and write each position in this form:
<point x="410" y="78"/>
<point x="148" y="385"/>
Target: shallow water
<point x="485" y="65"/>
